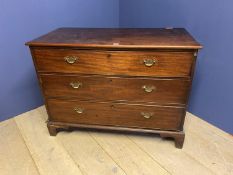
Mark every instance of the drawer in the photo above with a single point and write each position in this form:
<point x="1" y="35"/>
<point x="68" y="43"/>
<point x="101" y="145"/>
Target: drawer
<point x="163" y="91"/>
<point x="116" y="114"/>
<point x="133" y="63"/>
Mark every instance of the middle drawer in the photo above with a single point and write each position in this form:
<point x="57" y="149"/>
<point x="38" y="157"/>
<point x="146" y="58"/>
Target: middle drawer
<point x="85" y="87"/>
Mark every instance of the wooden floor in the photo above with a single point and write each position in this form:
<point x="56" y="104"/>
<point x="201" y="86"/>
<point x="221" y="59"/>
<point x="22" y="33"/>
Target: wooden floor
<point x="27" y="149"/>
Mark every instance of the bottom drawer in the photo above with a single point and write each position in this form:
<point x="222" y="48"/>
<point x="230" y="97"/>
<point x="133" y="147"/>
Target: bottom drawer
<point x="116" y="114"/>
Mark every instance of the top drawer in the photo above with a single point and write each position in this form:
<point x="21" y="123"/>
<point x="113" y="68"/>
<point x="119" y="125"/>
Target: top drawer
<point x="133" y="63"/>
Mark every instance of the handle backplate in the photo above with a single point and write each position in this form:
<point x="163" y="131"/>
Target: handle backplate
<point x="149" y="62"/>
<point x="76" y="85"/>
<point x="78" y="110"/>
<point x="71" y="59"/>
<point x="147" y="115"/>
<point x="148" y="89"/>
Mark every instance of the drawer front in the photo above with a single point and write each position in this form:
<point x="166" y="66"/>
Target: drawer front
<point x="163" y="91"/>
<point x="112" y="114"/>
<point x="170" y="64"/>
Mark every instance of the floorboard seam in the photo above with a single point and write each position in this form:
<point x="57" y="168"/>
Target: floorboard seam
<point x="79" y="167"/>
<point x="183" y="152"/>
<point x="57" y="139"/>
<point x="59" y="143"/>
<point x="96" y="140"/>
<point x="201" y="136"/>
<point x="198" y="160"/>
<point x="21" y="135"/>
<point x="149" y="155"/>
<point x="212" y="128"/>
<point x="106" y="152"/>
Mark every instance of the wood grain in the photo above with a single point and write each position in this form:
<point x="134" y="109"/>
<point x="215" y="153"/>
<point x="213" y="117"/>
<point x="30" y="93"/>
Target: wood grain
<point x="15" y="159"/>
<point x="212" y="146"/>
<point x="168" y="64"/>
<point x="115" y="66"/>
<point x="88" y="154"/>
<point x="50" y="157"/>
<point x="118" y="38"/>
<point x="115" y="114"/>
<point x="167" y="91"/>
<point x="207" y="150"/>
<point x="176" y="161"/>
<point x="131" y="158"/>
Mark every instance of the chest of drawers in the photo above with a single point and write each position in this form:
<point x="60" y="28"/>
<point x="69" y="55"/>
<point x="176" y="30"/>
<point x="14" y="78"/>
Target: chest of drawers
<point x="118" y="79"/>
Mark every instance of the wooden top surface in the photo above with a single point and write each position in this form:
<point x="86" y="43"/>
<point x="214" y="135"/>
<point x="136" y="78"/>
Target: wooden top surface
<point x="177" y="38"/>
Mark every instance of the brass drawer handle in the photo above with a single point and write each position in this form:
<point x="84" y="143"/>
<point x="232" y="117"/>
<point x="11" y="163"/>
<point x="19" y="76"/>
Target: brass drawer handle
<point x="149" y="62"/>
<point x="148" y="88"/>
<point x="71" y="59"/>
<point x="75" y="85"/>
<point x="78" y="110"/>
<point x="147" y="115"/>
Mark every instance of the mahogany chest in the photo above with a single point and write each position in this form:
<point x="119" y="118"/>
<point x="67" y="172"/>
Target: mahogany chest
<point x="117" y="79"/>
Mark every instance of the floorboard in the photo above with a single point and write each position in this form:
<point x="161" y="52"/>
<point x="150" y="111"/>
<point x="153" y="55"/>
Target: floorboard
<point x="174" y="160"/>
<point x="88" y="154"/>
<point x="15" y="159"/>
<point x="209" y="145"/>
<point x="50" y="157"/>
<point x="128" y="155"/>
<point x="27" y="148"/>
